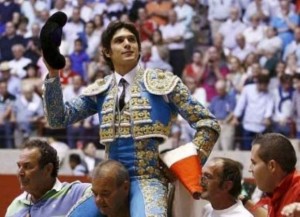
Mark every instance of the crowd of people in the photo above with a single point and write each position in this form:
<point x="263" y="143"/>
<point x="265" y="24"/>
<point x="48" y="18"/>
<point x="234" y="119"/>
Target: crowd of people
<point x="233" y="79"/>
<point x="238" y="55"/>
<point x="217" y="47"/>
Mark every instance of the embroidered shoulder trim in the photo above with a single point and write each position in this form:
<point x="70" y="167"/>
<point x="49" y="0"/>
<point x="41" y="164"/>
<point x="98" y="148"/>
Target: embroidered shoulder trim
<point x="160" y="82"/>
<point x="99" y="86"/>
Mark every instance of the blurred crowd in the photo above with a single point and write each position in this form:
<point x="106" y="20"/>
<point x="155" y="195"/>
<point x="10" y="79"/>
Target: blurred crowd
<point x="240" y="58"/>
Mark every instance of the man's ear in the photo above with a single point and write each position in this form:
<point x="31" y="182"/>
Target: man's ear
<point x="227" y="185"/>
<point x="49" y="168"/>
<point x="106" y="52"/>
<point x="272" y="165"/>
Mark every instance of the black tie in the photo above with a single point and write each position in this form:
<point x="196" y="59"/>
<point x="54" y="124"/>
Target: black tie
<point x="122" y="96"/>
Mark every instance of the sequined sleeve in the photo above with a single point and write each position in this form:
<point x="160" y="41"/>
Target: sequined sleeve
<point x="198" y="117"/>
<point x="60" y="114"/>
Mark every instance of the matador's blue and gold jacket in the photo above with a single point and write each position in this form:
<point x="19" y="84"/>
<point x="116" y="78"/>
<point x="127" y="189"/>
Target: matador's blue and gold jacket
<point x="156" y="98"/>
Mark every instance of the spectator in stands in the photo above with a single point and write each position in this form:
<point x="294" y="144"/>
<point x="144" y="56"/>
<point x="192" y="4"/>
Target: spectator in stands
<point x="251" y="58"/>
<point x="86" y="12"/>
<point x="291" y="210"/>
<point x="33" y="51"/>
<point x="259" y="7"/>
<point x="43" y="192"/>
<point x="8" y="9"/>
<point x="243" y="49"/>
<point x="185" y="14"/>
<point x="74" y="26"/>
<point x="33" y="78"/>
<point x="61" y="5"/>
<point x="61" y="148"/>
<point x="144" y="25"/>
<point x="79" y="59"/>
<point x="173" y="33"/>
<point x="236" y="77"/>
<point x="13" y="82"/>
<point x="221" y="181"/>
<point x="271" y="42"/>
<point x="7" y="101"/>
<point x="90" y="160"/>
<point x="291" y="64"/>
<point x="67" y="74"/>
<point x="195" y="69"/>
<point x="218" y="42"/>
<point x="115" y="9"/>
<point x="255" y="107"/>
<point x="44" y="14"/>
<point x="159" y="53"/>
<point x="222" y="107"/>
<point x="110" y="192"/>
<point x="32" y="10"/>
<point x="91" y="40"/>
<point x="214" y="69"/>
<point x="99" y="24"/>
<point x="22" y="26"/>
<point x="255" y="32"/>
<point x="285" y="22"/>
<point x="231" y="28"/>
<point x="158" y="11"/>
<point x="293" y="47"/>
<point x="296" y="104"/>
<point x="18" y="63"/>
<point x="28" y="113"/>
<point x="97" y="67"/>
<point x="282" y="116"/>
<point x="269" y="60"/>
<point x="273" y="161"/>
<point x="7" y="41"/>
<point x="74" y="131"/>
<point x="279" y="71"/>
<point x="218" y="13"/>
<point x="254" y="71"/>
<point x="75" y="164"/>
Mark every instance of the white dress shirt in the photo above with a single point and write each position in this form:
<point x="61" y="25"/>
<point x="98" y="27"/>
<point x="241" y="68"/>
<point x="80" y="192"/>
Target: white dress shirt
<point x="129" y="78"/>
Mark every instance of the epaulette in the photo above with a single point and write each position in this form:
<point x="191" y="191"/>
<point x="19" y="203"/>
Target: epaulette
<point x="99" y="86"/>
<point x="160" y="82"/>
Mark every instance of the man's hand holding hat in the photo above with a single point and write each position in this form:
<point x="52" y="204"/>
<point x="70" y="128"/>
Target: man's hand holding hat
<point x="50" y="39"/>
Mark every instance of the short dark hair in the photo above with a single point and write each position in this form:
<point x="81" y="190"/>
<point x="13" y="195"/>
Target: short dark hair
<point x="48" y="154"/>
<point x="111" y="166"/>
<point x="296" y="76"/>
<point x="108" y="34"/>
<point x="275" y="146"/>
<point x="75" y="158"/>
<point x="286" y="78"/>
<point x="231" y="171"/>
<point x="263" y="79"/>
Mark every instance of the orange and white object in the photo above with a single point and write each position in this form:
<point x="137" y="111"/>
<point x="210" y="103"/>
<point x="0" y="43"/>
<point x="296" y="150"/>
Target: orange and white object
<point x="184" y="162"/>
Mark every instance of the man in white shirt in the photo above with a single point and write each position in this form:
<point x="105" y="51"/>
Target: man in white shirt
<point x="218" y="13"/>
<point x="242" y="50"/>
<point x="231" y="28"/>
<point x="271" y="43"/>
<point x="255" y="107"/>
<point x="293" y="47"/>
<point x="221" y="182"/>
<point x="173" y="34"/>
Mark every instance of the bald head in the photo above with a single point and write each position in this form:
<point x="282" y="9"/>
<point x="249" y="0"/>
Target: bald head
<point x="111" y="168"/>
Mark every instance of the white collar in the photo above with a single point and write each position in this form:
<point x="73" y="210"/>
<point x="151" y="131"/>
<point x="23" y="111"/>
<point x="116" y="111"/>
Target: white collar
<point x="25" y="196"/>
<point x="129" y="76"/>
